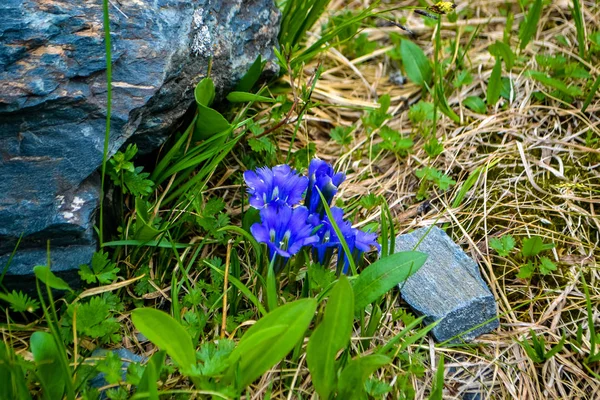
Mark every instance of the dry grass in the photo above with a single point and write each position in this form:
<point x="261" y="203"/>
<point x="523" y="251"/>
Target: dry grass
<point x="540" y="178"/>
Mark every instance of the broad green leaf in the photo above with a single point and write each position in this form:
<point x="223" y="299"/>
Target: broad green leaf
<point x="559" y="85"/>
<point x="269" y="340"/>
<point x="495" y="83"/>
<point x="331" y="335"/>
<point x="251" y="77"/>
<point x="532" y="246"/>
<point x="205" y="92"/>
<point x="151" y="374"/>
<point x="502" y="50"/>
<point x="209" y="122"/>
<point x="475" y="103"/>
<point x="383" y="275"/>
<point x="530" y="24"/>
<point x="243" y="97"/>
<point x="167" y="334"/>
<point x="353" y="377"/>
<point x="44" y="274"/>
<point x="417" y="65"/>
<point x="49" y="370"/>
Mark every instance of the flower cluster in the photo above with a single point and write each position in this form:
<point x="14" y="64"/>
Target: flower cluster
<point x="287" y="226"/>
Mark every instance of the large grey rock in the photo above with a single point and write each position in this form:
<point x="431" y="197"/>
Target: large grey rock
<point x="53" y="102"/>
<point x="448" y="287"/>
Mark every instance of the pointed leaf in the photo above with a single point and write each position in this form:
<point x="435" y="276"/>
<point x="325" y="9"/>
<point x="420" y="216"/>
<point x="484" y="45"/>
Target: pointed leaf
<point x="385" y="274"/>
<point x="331" y="335"/>
<point x="417" y="65"/>
<point x="167" y="334"/>
<point x="269" y="340"/>
<point x="44" y="274"/>
<point x="46" y="356"/>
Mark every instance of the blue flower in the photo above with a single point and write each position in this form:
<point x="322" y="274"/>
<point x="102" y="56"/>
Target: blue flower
<point x="358" y="241"/>
<point x="278" y="185"/>
<point x="285" y="230"/>
<point x="322" y="176"/>
<point x="329" y="241"/>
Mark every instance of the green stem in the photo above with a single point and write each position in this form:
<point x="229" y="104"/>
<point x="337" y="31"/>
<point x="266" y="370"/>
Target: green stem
<point x="108" y="56"/>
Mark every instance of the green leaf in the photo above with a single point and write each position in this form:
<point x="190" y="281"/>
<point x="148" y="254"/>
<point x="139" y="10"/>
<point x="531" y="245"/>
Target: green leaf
<point x="167" y="334"/>
<point x="495" y="84"/>
<point x="528" y="27"/>
<point x="502" y="50"/>
<point x="532" y="246"/>
<point x="383" y="275"/>
<point x="244" y="97"/>
<point x="209" y="122"/>
<point x="151" y="375"/>
<point x="546" y="266"/>
<point x="269" y="340"/>
<point x="503" y="245"/>
<point x="475" y="103"/>
<point x="417" y="65"/>
<point x="526" y="271"/>
<point x="205" y="92"/>
<point x="559" y="85"/>
<point x="331" y="335"/>
<point x="20" y="302"/>
<point x="103" y="270"/>
<point x="44" y="274"/>
<point x="251" y="77"/>
<point x="352" y="379"/>
<point x="437" y="392"/>
<point x="49" y="370"/>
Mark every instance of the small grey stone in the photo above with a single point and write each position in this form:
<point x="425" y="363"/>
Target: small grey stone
<point x="448" y="288"/>
<point x="397" y="78"/>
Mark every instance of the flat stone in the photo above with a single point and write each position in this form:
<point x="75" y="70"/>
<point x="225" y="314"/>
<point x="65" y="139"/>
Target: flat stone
<point x="53" y="103"/>
<point x="448" y="288"/>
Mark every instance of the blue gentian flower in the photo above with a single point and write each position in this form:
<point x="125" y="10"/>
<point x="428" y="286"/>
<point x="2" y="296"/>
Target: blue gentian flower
<point x="285" y="230"/>
<point x="278" y="185"/>
<point x="322" y="176"/>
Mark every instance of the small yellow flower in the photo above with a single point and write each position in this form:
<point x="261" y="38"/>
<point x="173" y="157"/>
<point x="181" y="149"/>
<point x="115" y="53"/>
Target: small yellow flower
<point x="442" y="7"/>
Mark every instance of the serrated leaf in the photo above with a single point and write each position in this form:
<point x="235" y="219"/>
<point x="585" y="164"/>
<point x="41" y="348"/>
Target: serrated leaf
<point x="384" y="274"/>
<point x="353" y="377"/>
<point x="526" y="271"/>
<point x="503" y="245"/>
<point x="269" y="340"/>
<point x="546" y="266"/>
<point x="562" y="87"/>
<point x="167" y="334"/>
<point x="330" y="336"/>
<point x="417" y="65"/>
<point x="532" y="246"/>
<point x="20" y="302"/>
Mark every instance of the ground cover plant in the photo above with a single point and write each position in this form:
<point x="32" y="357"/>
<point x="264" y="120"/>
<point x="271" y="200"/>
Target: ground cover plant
<point x="240" y="264"/>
